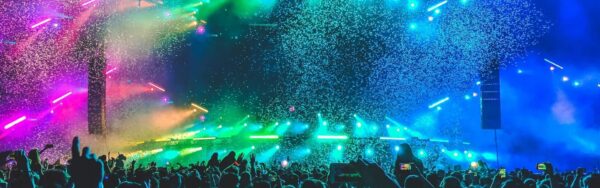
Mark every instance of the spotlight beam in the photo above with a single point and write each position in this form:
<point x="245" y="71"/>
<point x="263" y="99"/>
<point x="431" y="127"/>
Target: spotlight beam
<point x="41" y="23"/>
<point x="205" y="138"/>
<point x="61" y="97"/>
<point x="439" y="102"/>
<point x="21" y="119"/>
<point x="436" y="6"/>
<point x="111" y="70"/>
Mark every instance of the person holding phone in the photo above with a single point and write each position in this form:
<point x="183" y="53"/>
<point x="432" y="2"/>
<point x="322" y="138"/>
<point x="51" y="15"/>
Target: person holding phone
<point x="406" y="163"/>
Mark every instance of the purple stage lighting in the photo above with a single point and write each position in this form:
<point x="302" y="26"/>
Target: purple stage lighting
<point x="21" y="119"/>
<point x="41" y="23"/>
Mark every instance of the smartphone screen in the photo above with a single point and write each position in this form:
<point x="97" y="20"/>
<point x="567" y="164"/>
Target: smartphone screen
<point x="405" y="166"/>
<point x="541" y="166"/>
<point x="502" y="173"/>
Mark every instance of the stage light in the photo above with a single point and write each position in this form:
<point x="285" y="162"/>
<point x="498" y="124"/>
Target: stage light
<point x="474" y="164"/>
<point x="17" y="121"/>
<point x="339" y="147"/>
<point x="467" y="97"/>
<point x="41" y="23"/>
<point x="276" y="123"/>
<point x="464" y="1"/>
<point x="55" y="25"/>
<point x="253" y="147"/>
<point x="455" y="154"/>
<point x="277" y="147"/>
<point x="324" y="123"/>
<point x="405" y="128"/>
<point x="87" y="3"/>
<point x="465" y="152"/>
<point x="61" y="97"/>
<point x="478" y="83"/>
<point x="598" y="85"/>
<point x="439" y="108"/>
<point x="220" y="126"/>
<point x="392" y="138"/>
<point x="375" y="128"/>
<point x="553" y="63"/>
<point x="156" y="86"/>
<point x="397" y="148"/>
<point x="284" y="163"/>
<point x="430" y="18"/>
<point x="434" y="7"/>
<point x="332" y="137"/>
<point x="358" y="124"/>
<point x="519" y="71"/>
<point x="387" y="126"/>
<point x="421" y="152"/>
<point x="576" y="83"/>
<point x="475" y="94"/>
<point x="264" y="137"/>
<point x="397" y="129"/>
<point x="288" y="123"/>
<point x="199" y="107"/>
<point x="369" y="152"/>
<point x="469" y="155"/>
<point x="443" y="150"/>
<point x="565" y="78"/>
<point x="551" y="68"/>
<point x="437" y="11"/>
<point x="413" y="26"/>
<point x="439" y="102"/>
<point x="188" y="151"/>
<point x="307" y="150"/>
<point x="245" y="124"/>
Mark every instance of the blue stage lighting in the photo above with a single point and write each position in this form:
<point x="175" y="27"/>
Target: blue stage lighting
<point x="467" y="97"/>
<point x="397" y="148"/>
<point x="565" y="78"/>
<point x="576" y="83"/>
<point x="520" y="71"/>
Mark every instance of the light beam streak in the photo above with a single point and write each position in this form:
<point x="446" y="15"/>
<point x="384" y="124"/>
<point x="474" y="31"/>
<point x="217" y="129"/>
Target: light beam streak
<point x="61" y="97"/>
<point x="439" y="102"/>
<point x="436" y="6"/>
<point x="264" y="137"/>
<point x="86" y="3"/>
<point x="332" y="137"/>
<point x="553" y="63"/>
<point x="156" y="86"/>
<point x="41" y="23"/>
<point x="199" y="107"/>
<point x="21" y="119"/>
<point x="111" y="70"/>
<point x="392" y="138"/>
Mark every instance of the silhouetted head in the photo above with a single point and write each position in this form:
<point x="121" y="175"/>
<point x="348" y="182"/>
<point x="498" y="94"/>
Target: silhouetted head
<point x="413" y="181"/>
<point x="450" y="182"/>
<point x="229" y="181"/>
<point x="54" y="179"/>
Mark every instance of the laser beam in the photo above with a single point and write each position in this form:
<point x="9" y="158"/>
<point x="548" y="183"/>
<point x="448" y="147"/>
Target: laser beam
<point x="199" y="107"/>
<point x="553" y="63"/>
<point x="111" y="70"/>
<point x="264" y="137"/>
<point x="332" y="137"/>
<point x="156" y="86"/>
<point x="88" y="2"/>
<point x="436" y="6"/>
<point x="21" y="119"/>
<point x="392" y="138"/>
<point x="205" y="138"/>
<point x="41" y="23"/>
<point x="61" y="97"/>
<point x="439" y="102"/>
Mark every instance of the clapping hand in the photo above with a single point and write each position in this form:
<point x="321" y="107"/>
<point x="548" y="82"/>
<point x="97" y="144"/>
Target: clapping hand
<point x="85" y="169"/>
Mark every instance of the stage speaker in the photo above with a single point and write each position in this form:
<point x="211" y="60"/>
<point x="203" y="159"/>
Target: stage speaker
<point x="490" y="98"/>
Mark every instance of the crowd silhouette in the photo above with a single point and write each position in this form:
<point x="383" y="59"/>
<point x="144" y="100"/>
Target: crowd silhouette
<point x="85" y="170"/>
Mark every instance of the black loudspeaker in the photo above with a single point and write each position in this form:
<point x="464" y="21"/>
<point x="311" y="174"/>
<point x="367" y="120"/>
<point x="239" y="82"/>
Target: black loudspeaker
<point x="490" y="99"/>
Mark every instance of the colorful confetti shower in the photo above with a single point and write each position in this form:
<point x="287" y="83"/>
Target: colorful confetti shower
<point x="208" y="69"/>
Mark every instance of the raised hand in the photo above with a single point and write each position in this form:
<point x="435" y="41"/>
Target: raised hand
<point x="24" y="167"/>
<point x="85" y="169"/>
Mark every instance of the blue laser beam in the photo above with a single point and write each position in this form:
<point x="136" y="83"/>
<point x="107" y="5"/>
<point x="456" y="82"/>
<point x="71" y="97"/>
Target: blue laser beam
<point x="439" y="102"/>
<point x="436" y="6"/>
<point x="553" y="63"/>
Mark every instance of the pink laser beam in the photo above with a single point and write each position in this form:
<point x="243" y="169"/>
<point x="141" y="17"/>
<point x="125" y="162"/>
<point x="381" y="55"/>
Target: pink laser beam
<point x="61" y="97"/>
<point x="9" y="125"/>
<point x="157" y="87"/>
<point x="86" y="3"/>
<point x="111" y="70"/>
<point x="40" y="23"/>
